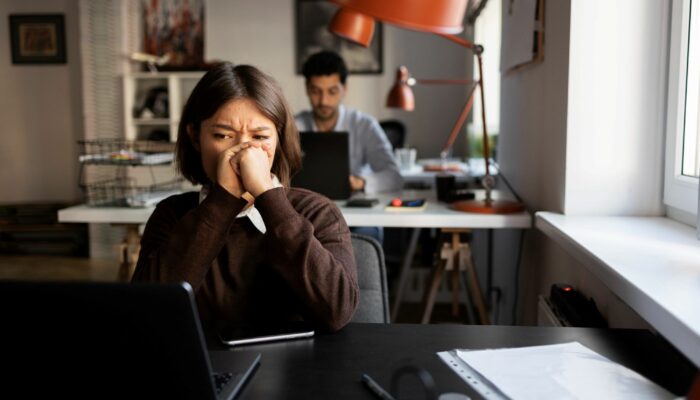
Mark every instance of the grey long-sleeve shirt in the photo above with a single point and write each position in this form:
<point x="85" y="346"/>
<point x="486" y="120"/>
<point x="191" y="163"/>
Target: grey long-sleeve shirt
<point x="370" y="150"/>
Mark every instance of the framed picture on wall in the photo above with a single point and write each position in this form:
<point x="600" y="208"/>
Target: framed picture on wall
<point x="37" y="39"/>
<point x="174" y="28"/>
<point x="312" y="36"/>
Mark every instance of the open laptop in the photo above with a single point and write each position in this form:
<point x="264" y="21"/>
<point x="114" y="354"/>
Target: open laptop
<point x="111" y="340"/>
<point x="325" y="165"/>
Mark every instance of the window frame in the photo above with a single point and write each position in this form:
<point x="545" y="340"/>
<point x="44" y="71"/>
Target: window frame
<point x="680" y="192"/>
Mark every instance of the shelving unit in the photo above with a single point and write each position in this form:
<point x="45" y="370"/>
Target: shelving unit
<point x="176" y="85"/>
<point x="159" y="123"/>
<point x="108" y="180"/>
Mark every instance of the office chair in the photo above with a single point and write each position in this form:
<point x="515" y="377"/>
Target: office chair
<point x="371" y="277"/>
<point x="395" y="131"/>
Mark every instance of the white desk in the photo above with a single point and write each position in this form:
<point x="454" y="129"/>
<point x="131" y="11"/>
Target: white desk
<point x="435" y="215"/>
<point x="471" y="168"/>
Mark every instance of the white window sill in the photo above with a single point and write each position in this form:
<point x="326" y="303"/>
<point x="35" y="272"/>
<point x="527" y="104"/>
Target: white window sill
<point x="651" y="263"/>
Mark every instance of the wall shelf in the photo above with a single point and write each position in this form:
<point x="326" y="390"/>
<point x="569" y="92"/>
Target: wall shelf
<point x="176" y="85"/>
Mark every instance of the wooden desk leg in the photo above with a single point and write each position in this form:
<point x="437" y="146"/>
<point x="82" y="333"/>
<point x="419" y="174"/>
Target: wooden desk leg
<point x="129" y="251"/>
<point x="475" y="290"/>
<point x="405" y="269"/>
<point x="467" y="301"/>
<point x="455" y="273"/>
<point x="431" y="292"/>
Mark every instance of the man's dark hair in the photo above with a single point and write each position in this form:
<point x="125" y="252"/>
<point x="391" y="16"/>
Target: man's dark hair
<point x="225" y="83"/>
<point x="325" y="62"/>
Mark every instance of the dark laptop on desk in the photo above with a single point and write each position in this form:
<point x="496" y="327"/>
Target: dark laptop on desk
<point x="111" y="340"/>
<point x="325" y="165"/>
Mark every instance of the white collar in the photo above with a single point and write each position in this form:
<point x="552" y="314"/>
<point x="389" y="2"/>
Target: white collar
<point x="250" y="211"/>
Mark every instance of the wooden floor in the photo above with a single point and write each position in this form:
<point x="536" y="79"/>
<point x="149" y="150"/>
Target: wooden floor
<point x="21" y="267"/>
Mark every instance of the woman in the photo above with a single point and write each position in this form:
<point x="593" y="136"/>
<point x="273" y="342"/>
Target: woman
<point x="254" y="249"/>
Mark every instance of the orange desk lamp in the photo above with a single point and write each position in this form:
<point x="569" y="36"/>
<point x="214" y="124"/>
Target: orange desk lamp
<point x="355" y="20"/>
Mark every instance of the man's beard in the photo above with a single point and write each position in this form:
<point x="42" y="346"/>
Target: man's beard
<point x="325" y="117"/>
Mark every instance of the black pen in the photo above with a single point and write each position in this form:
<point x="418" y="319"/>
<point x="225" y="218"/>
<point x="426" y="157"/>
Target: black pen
<point x="378" y="390"/>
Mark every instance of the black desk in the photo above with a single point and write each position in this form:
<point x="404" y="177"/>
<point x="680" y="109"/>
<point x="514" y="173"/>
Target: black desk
<point x="329" y="366"/>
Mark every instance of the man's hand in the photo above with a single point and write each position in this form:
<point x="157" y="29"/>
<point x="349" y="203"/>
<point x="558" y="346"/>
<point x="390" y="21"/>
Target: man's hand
<point x="356" y="183"/>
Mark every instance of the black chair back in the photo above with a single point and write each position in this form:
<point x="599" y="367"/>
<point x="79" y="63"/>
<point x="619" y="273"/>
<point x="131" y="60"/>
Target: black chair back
<point x="395" y="131"/>
<point x="371" y="277"/>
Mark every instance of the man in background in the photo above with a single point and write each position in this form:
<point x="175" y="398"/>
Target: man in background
<point x="372" y="165"/>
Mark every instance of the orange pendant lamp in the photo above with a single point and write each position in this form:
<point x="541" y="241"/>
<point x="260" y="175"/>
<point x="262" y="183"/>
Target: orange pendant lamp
<point x="355" y="19"/>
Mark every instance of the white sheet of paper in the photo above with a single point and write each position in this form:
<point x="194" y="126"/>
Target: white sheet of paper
<point x="560" y="371"/>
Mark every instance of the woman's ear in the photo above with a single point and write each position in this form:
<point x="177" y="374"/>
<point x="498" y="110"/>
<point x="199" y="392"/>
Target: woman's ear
<point x="194" y="137"/>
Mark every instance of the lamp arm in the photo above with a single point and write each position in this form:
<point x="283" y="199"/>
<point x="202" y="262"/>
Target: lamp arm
<point x="485" y="136"/>
<point x="445" y="81"/>
<point x="460" y="121"/>
<point x="477" y="50"/>
<point x="460" y="41"/>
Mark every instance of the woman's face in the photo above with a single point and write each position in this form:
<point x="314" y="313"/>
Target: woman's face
<point x="236" y="122"/>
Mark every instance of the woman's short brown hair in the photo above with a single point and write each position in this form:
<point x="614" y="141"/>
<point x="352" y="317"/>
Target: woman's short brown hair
<point x="226" y="82"/>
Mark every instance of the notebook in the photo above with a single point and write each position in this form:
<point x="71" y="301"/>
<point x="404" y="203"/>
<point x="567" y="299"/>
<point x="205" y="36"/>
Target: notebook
<point x="325" y="164"/>
<point x="112" y="340"/>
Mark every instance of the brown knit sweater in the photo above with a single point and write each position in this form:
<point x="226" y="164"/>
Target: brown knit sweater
<point x="302" y="268"/>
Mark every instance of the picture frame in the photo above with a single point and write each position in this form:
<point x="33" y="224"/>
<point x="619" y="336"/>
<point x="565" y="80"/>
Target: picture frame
<point x="38" y="38"/>
<point x="174" y="29"/>
<point x="312" y="36"/>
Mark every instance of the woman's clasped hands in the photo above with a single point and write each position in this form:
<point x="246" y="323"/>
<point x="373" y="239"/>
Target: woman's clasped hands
<point x="245" y="168"/>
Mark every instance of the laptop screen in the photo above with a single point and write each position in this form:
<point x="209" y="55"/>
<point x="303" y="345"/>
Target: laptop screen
<point x="106" y="340"/>
<point x="325" y="164"/>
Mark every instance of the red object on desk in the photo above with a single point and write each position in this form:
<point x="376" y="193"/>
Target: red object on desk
<point x="396" y="202"/>
<point x="440" y="167"/>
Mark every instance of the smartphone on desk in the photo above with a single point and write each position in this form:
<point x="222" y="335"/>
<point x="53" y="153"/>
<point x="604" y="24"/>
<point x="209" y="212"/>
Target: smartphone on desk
<point x="361" y="202"/>
<point x="242" y="334"/>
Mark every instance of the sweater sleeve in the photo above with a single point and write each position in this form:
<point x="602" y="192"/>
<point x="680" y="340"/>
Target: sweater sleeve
<point x="314" y="254"/>
<point x="177" y="247"/>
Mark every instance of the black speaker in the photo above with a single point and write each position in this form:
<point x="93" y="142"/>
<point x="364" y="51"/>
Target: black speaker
<point x="572" y="306"/>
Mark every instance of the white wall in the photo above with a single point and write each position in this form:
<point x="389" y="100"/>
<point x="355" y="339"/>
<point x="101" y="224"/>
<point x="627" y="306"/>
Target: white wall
<point x="617" y="98"/>
<point x="41" y="114"/>
<point x="532" y="148"/>
<point x="262" y="33"/>
<point x="581" y="134"/>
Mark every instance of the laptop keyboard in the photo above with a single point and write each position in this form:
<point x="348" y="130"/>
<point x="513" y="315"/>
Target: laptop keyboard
<point x="221" y="380"/>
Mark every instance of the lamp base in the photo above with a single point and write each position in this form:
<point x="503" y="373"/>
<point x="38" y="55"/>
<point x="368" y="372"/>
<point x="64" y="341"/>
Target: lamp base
<point x="488" y="207"/>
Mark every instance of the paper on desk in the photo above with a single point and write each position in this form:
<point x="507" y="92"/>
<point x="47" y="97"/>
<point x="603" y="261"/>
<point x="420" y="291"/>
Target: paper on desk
<point x="560" y="371"/>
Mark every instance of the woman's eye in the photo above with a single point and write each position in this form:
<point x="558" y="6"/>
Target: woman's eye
<point x="220" y="136"/>
<point x="259" y="137"/>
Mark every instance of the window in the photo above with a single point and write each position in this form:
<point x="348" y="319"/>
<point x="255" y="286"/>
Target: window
<point x="683" y="127"/>
<point x="691" y="145"/>
<point x="487" y="32"/>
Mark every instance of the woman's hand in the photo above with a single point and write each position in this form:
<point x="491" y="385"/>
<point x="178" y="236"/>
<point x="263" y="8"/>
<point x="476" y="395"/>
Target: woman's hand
<point x="252" y="165"/>
<point x="226" y="176"/>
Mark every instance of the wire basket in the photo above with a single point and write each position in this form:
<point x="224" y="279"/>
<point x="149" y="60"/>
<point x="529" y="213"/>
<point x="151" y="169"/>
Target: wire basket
<point x="123" y="192"/>
<point x="126" y="152"/>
